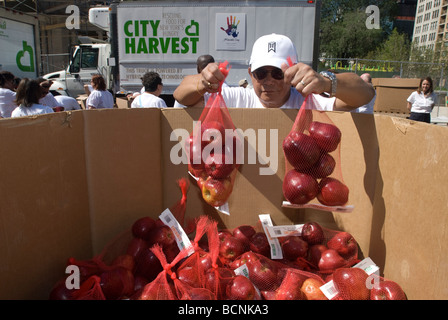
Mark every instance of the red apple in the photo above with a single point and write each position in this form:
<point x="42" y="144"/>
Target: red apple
<point x="244" y="233"/>
<point x="162" y="235"/>
<point x="212" y="130"/>
<point x="216" y="281"/>
<point x="136" y="245"/>
<point x="300" y="150"/>
<point x="248" y="258"/>
<point x="299" y="188"/>
<point x="219" y="165"/>
<point x="142" y="228"/>
<point x="344" y="243"/>
<point x="290" y="288"/>
<point x="231" y="248"/>
<point x="323" y="167"/>
<point x="259" y="244"/>
<point x="240" y="288"/>
<point x="311" y="289"/>
<point x="312" y="233"/>
<point x="351" y="283"/>
<point x="327" y="135"/>
<point x="387" y="290"/>
<point x="116" y="283"/>
<point x="332" y="192"/>
<point x="216" y="191"/>
<point x="147" y="265"/>
<point x="330" y="260"/>
<point x="189" y="276"/>
<point x="263" y="273"/>
<point x="199" y="294"/>
<point x="124" y="260"/>
<point x="294" y="247"/>
<point x="194" y="152"/>
<point x="315" y="253"/>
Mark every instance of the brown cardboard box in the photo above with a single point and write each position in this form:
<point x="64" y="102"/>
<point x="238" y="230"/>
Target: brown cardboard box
<point x="392" y="93"/>
<point x="123" y="102"/>
<point x="75" y="182"/>
<point x="82" y="100"/>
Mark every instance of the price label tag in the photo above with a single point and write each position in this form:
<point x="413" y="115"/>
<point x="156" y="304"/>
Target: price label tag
<point x="276" y="249"/>
<point x="181" y="237"/>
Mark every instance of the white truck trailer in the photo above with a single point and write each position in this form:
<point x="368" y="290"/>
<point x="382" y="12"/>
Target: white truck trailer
<point x="169" y="36"/>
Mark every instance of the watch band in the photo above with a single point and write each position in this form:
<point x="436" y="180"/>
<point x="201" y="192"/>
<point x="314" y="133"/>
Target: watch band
<point x="334" y="81"/>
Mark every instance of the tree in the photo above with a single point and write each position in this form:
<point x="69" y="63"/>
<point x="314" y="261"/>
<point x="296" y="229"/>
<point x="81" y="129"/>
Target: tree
<point x="343" y="27"/>
<point x="349" y="37"/>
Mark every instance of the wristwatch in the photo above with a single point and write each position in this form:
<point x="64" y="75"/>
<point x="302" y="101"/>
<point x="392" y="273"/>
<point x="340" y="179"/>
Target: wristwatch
<point x="334" y="81"/>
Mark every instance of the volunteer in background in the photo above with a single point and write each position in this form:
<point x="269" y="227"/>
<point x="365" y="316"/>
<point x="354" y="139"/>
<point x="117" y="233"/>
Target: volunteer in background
<point x="422" y="101"/>
<point x="69" y="103"/>
<point x="47" y="98"/>
<point x="7" y="94"/>
<point x="28" y="95"/>
<point x="367" y="108"/>
<point x="276" y="84"/>
<point x="202" y="61"/>
<point x="99" y="98"/>
<point x="150" y="97"/>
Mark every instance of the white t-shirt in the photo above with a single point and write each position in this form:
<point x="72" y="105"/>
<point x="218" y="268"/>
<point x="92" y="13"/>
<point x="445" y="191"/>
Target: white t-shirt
<point x="367" y="108"/>
<point x="7" y="104"/>
<point x="420" y="103"/>
<point x="148" y="100"/>
<point x="100" y="99"/>
<point x="239" y="97"/>
<point x="22" y="111"/>
<point x="69" y="103"/>
<point x="49" y="101"/>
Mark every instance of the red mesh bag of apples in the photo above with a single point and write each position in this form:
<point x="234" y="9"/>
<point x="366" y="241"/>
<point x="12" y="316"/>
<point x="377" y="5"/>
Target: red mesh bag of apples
<point x="212" y="150"/>
<point x="328" y="250"/>
<point x="162" y="287"/>
<point x="126" y="264"/>
<point x="192" y="270"/>
<point x="217" y="276"/>
<point x="313" y="176"/>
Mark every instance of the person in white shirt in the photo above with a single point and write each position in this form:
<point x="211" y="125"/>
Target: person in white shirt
<point x="367" y="108"/>
<point x="67" y="102"/>
<point x="7" y="94"/>
<point x="279" y="81"/>
<point x="152" y="82"/>
<point x="28" y="94"/>
<point x="47" y="98"/>
<point x="99" y="98"/>
<point x="421" y="102"/>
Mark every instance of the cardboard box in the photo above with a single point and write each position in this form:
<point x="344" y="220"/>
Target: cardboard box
<point x="82" y="99"/>
<point x="74" y="182"/>
<point x="392" y="93"/>
<point x="123" y="102"/>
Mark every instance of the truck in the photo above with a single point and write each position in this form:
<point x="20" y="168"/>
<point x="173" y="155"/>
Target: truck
<point x="168" y="37"/>
<point x="20" y="43"/>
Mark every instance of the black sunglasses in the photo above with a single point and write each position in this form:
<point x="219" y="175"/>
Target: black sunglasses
<point x="262" y="73"/>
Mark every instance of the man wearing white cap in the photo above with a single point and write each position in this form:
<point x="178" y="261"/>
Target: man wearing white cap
<point x="279" y="81"/>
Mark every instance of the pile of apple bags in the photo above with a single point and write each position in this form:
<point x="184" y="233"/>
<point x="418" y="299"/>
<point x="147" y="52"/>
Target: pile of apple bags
<point x="226" y="265"/>
<point x="312" y="159"/>
<point x="212" y="156"/>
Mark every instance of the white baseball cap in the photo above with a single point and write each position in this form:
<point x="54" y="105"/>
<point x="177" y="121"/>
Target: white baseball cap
<point x="272" y="50"/>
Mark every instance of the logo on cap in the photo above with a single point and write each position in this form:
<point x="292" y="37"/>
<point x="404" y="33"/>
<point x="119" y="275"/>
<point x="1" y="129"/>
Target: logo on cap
<point x="272" y="46"/>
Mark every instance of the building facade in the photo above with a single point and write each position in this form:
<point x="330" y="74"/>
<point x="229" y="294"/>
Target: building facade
<point x="430" y="24"/>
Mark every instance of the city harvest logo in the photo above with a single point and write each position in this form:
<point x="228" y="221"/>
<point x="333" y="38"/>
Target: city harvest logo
<point x="190" y="147"/>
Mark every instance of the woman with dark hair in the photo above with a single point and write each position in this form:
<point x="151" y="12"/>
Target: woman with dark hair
<point x="7" y="94"/>
<point x="422" y="101"/>
<point x="27" y="98"/>
<point x="99" y="98"/>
